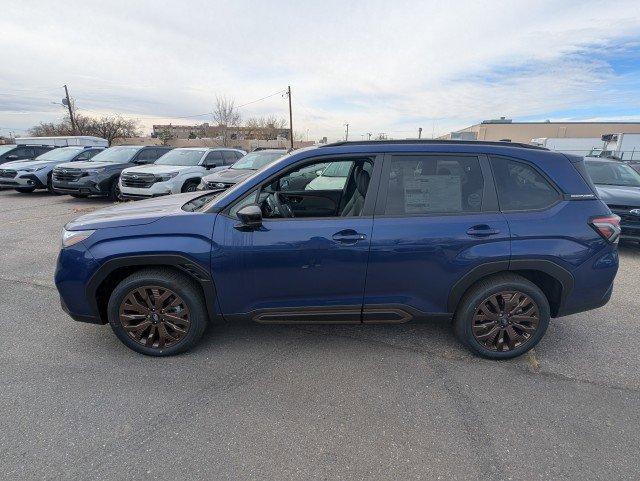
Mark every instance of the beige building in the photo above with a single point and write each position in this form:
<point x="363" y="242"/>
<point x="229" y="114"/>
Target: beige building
<point x="206" y="130"/>
<point x="507" y="129"/>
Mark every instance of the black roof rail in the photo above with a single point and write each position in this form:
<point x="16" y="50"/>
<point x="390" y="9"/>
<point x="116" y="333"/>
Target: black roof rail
<point x="434" y="141"/>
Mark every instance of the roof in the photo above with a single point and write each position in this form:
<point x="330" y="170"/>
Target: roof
<point x="432" y="142"/>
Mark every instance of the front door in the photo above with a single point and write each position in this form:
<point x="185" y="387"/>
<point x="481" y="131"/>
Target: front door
<point x="307" y="263"/>
<point x="436" y="220"/>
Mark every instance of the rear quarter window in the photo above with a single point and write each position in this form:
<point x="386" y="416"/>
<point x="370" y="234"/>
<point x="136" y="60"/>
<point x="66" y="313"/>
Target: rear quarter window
<point x="521" y="187"/>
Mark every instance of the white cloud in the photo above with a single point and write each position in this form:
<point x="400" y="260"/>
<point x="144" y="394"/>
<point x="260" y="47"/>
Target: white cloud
<point x="381" y="66"/>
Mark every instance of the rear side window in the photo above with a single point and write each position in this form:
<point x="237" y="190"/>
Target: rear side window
<point x="434" y="184"/>
<point x="521" y="187"/>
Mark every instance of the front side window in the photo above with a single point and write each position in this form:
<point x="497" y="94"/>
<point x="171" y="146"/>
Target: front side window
<point x="432" y="184"/>
<point x="520" y="186"/>
<point x="214" y="158"/>
<point x="229" y="157"/>
<point x="290" y="195"/>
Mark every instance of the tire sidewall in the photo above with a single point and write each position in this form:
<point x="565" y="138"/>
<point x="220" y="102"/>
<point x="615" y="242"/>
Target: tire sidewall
<point x="465" y="315"/>
<point x="188" y="294"/>
<point x="190" y="186"/>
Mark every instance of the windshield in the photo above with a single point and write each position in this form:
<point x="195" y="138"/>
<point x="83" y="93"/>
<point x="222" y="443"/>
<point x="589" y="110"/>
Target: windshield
<point x="256" y="160"/>
<point x="612" y="173"/>
<point x="6" y="148"/>
<point x="116" y="155"/>
<point x="64" y="153"/>
<point x="181" y="157"/>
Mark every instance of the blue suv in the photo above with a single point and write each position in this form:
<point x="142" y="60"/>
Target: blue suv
<point x="496" y="237"/>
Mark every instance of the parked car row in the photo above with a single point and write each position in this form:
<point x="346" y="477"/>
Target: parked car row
<point x="127" y="172"/>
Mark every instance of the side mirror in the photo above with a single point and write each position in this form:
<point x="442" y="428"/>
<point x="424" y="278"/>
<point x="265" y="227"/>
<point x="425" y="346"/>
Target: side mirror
<point x="250" y="217"/>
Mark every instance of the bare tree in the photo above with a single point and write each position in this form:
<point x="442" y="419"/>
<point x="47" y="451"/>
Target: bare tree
<point x="165" y="136"/>
<point x="226" y="115"/>
<point x="108" y="127"/>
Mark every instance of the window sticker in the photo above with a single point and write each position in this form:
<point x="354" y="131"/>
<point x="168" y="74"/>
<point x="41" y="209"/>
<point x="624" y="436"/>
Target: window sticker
<point x="433" y="193"/>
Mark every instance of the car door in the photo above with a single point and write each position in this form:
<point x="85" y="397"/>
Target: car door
<point x="436" y="220"/>
<point x="307" y="268"/>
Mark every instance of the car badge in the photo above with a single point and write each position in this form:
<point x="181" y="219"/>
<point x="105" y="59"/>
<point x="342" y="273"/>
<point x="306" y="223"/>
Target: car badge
<point x="135" y="176"/>
<point x="635" y="212"/>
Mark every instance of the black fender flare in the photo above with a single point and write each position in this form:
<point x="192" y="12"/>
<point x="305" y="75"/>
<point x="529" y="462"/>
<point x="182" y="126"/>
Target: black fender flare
<point x="178" y="261"/>
<point x="563" y="276"/>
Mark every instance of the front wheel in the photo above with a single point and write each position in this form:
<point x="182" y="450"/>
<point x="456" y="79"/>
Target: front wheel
<point x="502" y="317"/>
<point x="50" y="186"/>
<point x="190" y="186"/>
<point x="114" y="191"/>
<point x="157" y="312"/>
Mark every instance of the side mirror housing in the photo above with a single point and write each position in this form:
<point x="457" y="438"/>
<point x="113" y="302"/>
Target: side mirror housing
<point x="250" y="217"/>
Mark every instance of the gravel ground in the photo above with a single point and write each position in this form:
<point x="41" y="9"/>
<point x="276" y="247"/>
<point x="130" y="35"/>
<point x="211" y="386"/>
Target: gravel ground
<point x="294" y="402"/>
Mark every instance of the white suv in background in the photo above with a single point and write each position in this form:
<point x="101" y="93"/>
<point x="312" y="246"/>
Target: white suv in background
<point x="179" y="170"/>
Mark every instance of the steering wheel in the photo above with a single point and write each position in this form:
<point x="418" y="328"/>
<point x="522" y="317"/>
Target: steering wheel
<point x="276" y="207"/>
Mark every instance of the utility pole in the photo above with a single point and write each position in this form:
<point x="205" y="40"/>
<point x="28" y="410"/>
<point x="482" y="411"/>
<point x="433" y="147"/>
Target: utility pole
<point x="290" y="116"/>
<point x="346" y="136"/>
<point x="73" y="121"/>
<point x="369" y="135"/>
<point x="419" y="132"/>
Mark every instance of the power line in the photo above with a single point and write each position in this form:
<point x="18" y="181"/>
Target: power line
<point x="263" y="98"/>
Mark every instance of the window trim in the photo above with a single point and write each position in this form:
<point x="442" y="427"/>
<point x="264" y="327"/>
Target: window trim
<point x="370" y="200"/>
<point x="489" y="193"/>
<point x="560" y="197"/>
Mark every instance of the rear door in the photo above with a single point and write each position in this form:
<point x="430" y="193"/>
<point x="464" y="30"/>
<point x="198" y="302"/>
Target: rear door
<point x="436" y="219"/>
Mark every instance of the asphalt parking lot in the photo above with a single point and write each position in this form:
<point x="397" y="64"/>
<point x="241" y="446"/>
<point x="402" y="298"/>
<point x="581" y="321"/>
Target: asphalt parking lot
<point x="303" y="402"/>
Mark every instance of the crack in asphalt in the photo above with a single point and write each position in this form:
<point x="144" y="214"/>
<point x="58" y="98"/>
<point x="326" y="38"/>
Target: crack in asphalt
<point x="29" y="283"/>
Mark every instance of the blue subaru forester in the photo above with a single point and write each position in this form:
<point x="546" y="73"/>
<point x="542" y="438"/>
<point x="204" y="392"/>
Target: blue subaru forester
<point x="497" y="237"/>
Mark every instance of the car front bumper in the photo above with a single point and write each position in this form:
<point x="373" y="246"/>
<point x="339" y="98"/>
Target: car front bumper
<point x="155" y="190"/>
<point x="88" y="185"/>
<point x="22" y="181"/>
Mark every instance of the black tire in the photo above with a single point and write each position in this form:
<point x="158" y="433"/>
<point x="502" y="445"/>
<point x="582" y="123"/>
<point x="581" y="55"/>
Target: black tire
<point x="179" y="284"/>
<point x="79" y="196"/>
<point x="114" y="191"/>
<point x="501" y="285"/>
<point x="190" y="186"/>
<point x="50" y="186"/>
<point x="25" y="190"/>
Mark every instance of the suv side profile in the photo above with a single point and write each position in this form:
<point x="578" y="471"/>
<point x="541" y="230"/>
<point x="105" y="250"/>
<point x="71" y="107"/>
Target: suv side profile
<point x="99" y="175"/>
<point x="179" y="170"/>
<point x="497" y="237"/>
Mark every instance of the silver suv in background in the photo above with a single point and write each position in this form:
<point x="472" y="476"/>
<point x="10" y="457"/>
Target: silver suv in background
<point x="29" y="175"/>
<point x="179" y="170"/>
<point x="222" y="179"/>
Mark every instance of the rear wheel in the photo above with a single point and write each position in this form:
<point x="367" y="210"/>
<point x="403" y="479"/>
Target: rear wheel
<point x="190" y="186"/>
<point x="502" y="317"/>
<point x="25" y="190"/>
<point x="157" y="312"/>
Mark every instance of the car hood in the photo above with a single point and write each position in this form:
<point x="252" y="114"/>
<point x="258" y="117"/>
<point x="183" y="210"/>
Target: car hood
<point x="133" y="213"/>
<point x="619" y="195"/>
<point x="87" y="165"/>
<point x="229" y="175"/>
<point x="158" y="169"/>
<point x="21" y="164"/>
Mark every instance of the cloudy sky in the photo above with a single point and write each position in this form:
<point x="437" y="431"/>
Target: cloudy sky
<point x="380" y="66"/>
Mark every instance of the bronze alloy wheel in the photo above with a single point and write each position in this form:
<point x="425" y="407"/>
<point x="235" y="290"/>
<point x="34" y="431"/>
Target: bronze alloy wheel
<point x="155" y="317"/>
<point x="505" y="321"/>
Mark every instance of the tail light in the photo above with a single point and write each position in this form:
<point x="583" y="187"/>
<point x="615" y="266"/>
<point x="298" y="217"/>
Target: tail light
<point x="608" y="226"/>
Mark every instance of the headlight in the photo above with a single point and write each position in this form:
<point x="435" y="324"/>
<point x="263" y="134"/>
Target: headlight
<point x="34" y="169"/>
<point x="94" y="171"/>
<point x="165" y="177"/>
<point x="71" y="237"/>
